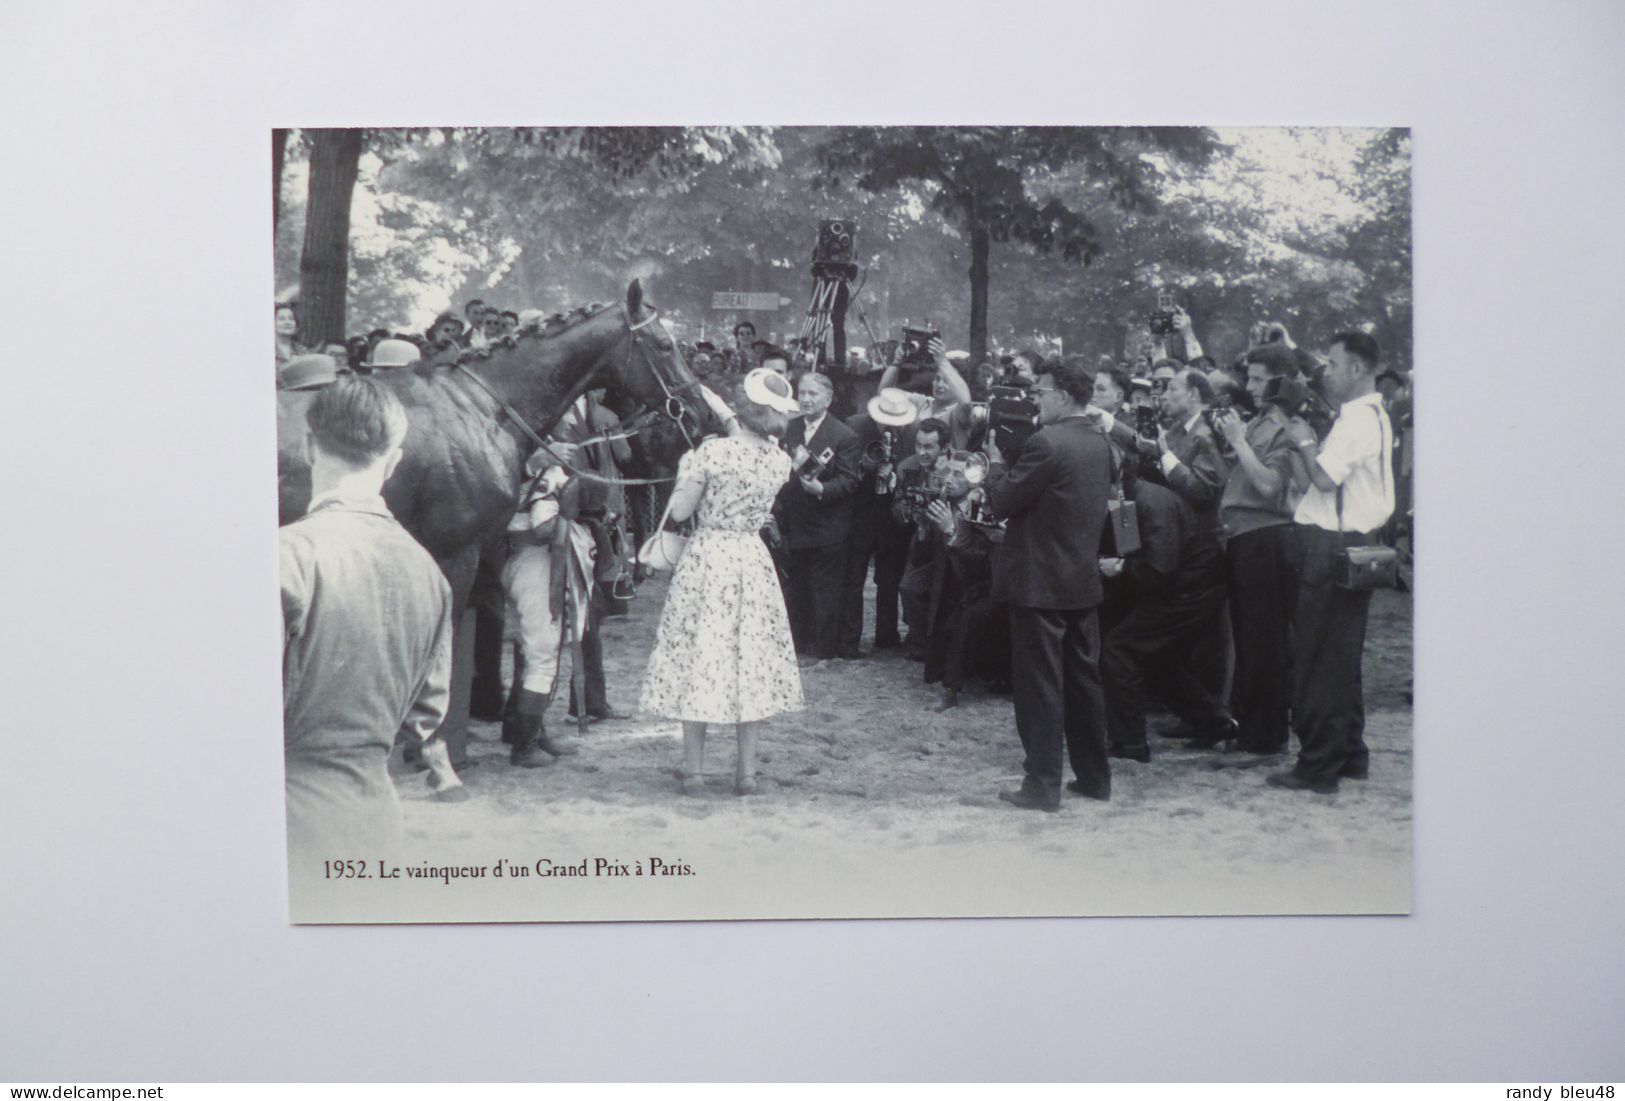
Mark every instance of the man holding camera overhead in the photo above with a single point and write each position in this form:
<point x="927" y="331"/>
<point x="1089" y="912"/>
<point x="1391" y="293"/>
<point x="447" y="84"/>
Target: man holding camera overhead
<point x="1350" y="498"/>
<point x="949" y="400"/>
<point x="1053" y="497"/>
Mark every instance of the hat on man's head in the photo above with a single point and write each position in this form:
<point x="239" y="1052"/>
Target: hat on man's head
<point x="765" y="386"/>
<point x="393" y="353"/>
<point x="892" y="407"/>
<point x="531" y="317"/>
<point x="309" y="372"/>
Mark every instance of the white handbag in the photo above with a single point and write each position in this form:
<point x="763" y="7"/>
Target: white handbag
<point x="662" y="550"/>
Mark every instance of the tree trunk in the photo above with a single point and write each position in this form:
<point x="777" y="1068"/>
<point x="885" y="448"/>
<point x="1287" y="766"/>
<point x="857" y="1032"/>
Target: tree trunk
<point x="335" y="159"/>
<point x="279" y="159"/>
<point x="979" y="245"/>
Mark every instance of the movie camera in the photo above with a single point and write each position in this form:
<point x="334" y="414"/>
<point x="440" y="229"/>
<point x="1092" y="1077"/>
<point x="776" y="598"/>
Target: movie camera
<point x="879" y="455"/>
<point x="1010" y="413"/>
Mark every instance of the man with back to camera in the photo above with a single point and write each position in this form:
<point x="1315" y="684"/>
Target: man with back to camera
<point x="366" y="646"/>
<point x="1350" y="497"/>
<point x="1054" y="499"/>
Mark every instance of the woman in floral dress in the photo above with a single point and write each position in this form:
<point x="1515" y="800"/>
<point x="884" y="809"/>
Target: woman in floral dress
<point x="723" y="651"/>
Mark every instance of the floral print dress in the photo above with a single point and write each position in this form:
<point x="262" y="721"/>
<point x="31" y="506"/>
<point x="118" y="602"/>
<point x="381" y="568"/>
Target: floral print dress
<point x="723" y="651"/>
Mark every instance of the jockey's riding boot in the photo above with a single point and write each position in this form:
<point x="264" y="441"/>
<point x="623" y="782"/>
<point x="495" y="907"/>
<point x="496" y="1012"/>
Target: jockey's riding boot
<point x="528" y="751"/>
<point x="533" y="737"/>
<point x="512" y="725"/>
<point x="543" y="742"/>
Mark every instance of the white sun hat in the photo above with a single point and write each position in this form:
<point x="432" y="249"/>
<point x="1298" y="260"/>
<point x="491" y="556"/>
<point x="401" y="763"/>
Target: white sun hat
<point x="769" y="388"/>
<point x="892" y="407"/>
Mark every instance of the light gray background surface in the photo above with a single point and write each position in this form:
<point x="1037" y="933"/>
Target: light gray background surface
<point x="143" y="932"/>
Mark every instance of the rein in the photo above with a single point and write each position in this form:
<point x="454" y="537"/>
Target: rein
<point x="673" y="409"/>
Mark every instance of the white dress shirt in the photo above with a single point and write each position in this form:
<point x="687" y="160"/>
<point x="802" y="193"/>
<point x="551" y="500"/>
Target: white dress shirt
<point x="1356" y="455"/>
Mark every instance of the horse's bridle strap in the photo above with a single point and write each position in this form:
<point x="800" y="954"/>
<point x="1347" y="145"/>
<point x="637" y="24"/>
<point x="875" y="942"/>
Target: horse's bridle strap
<point x="536" y="438"/>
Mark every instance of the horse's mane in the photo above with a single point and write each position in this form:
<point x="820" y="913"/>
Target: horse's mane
<point x="556" y="325"/>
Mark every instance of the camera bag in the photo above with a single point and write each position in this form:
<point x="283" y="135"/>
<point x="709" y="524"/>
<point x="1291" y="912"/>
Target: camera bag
<point x="1122" y="515"/>
<point x="1360" y="569"/>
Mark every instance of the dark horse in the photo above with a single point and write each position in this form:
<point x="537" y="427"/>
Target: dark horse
<point x="464" y="456"/>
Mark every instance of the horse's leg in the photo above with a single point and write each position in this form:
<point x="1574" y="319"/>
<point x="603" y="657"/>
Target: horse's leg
<point x="459" y="571"/>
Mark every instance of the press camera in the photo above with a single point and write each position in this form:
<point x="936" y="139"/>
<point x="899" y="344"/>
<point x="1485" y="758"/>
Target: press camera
<point x="913" y="350"/>
<point x="807" y="465"/>
<point x="1162" y="318"/>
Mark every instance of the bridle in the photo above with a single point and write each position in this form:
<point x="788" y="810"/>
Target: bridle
<point x="671" y="409"/>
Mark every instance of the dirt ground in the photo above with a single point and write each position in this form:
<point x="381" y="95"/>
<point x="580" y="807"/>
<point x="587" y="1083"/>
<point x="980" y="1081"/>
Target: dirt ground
<point x="866" y="770"/>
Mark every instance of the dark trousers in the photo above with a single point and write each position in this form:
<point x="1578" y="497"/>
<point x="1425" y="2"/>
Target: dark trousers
<point x="875" y="538"/>
<point x="914" y="594"/>
<point x="971" y="637"/>
<point x="1158" y="625"/>
<point x="1328" y="641"/>
<point x="1055" y="677"/>
<point x="1263" y="589"/>
<point x="814" y="597"/>
<point x="486" y="693"/>
<point x="592" y="658"/>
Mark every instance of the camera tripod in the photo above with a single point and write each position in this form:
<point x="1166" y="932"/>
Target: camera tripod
<point x="832" y="290"/>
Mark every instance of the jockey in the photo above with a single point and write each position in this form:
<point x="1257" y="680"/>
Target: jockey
<point x="548" y="581"/>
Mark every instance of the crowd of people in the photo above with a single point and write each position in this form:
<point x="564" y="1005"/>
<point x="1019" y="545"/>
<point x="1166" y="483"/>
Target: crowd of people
<point x="1089" y="535"/>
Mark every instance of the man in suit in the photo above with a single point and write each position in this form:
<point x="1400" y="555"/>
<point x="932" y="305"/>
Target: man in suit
<point x="1053" y="496"/>
<point x="1185" y="457"/>
<point x="1175" y="584"/>
<point x="815" y="517"/>
<point x="1187" y="454"/>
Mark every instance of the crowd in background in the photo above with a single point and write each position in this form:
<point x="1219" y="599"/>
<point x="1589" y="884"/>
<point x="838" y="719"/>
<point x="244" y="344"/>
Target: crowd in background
<point x="1188" y="511"/>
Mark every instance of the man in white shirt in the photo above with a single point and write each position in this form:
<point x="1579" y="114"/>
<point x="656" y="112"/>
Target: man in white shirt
<point x="1349" y="500"/>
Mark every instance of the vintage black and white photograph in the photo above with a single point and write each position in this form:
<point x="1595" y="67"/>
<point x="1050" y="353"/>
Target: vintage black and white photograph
<point x="695" y="522"/>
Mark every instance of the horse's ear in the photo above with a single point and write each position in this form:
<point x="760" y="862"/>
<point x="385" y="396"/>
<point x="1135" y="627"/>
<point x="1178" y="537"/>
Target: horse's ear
<point x="634" y="297"/>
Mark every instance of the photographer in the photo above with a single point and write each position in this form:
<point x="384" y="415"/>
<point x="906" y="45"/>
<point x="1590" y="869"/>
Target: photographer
<point x="913" y="473"/>
<point x="954" y="557"/>
<point x="1183" y="346"/>
<point x="814" y="513"/>
<point x="1054" y="500"/>
<point x="1187" y="455"/>
<point x="1256" y="511"/>
<point x="1350" y="498"/>
<point x="950" y="396"/>
<point x="885" y="432"/>
<point x="1174" y="588"/>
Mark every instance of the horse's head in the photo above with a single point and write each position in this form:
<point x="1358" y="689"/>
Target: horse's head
<point x="645" y="374"/>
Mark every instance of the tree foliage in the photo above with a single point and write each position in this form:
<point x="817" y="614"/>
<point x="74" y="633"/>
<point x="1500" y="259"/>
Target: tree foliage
<point x="1083" y="226"/>
<point x="982" y="180"/>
